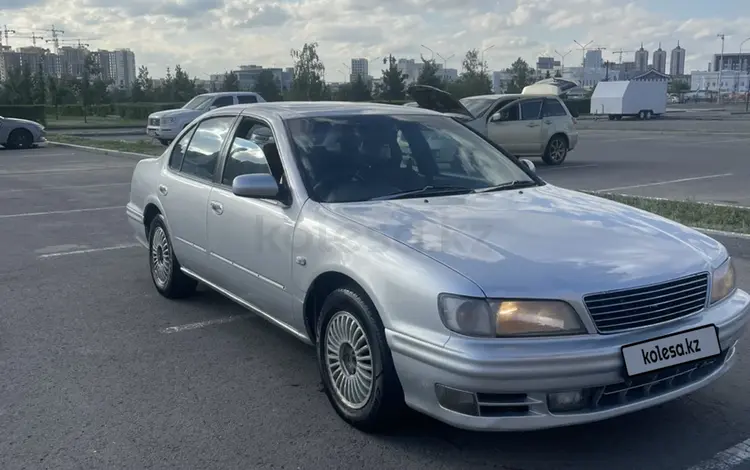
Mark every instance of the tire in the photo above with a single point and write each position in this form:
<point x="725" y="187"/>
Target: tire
<point x="165" y="142"/>
<point x="611" y="117"/>
<point x="20" y="139"/>
<point x="166" y="274"/>
<point x="641" y="115"/>
<point x="556" y="151"/>
<point x="382" y="404"/>
<point x="648" y="115"/>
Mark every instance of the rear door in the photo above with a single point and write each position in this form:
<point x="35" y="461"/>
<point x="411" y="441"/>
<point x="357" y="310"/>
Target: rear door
<point x="555" y="119"/>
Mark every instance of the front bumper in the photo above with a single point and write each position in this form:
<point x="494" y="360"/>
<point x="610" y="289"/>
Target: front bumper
<point x="511" y="379"/>
<point x="164" y="133"/>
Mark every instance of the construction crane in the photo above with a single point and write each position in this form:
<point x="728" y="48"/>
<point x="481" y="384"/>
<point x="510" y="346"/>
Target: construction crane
<point x="55" y="36"/>
<point x="621" y="52"/>
<point x="77" y="41"/>
<point x="5" y="32"/>
<point x="33" y="36"/>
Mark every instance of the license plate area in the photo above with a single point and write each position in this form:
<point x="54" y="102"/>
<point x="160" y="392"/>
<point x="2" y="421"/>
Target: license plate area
<point x="671" y="350"/>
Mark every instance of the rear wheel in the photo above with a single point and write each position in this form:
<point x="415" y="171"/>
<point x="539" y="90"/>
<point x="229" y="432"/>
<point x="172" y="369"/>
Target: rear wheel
<point x="165" y="142"/>
<point x="556" y="151"/>
<point x="168" y="278"/>
<point x="355" y="362"/>
<point x="20" y="139"/>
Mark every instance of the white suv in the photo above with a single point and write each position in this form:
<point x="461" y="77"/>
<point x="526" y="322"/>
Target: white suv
<point x="165" y="125"/>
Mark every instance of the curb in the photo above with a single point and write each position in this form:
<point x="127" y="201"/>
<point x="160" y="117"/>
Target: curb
<point x="722" y="233"/>
<point x="652" y="198"/>
<point x="116" y="153"/>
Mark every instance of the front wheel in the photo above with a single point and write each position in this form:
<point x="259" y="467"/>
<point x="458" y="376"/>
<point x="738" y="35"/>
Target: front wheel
<point x="20" y="139"/>
<point x="556" y="151"/>
<point x="355" y="362"/>
<point x="168" y="278"/>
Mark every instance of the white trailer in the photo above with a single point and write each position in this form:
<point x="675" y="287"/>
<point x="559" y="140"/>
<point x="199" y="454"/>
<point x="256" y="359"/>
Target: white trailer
<point x="640" y="98"/>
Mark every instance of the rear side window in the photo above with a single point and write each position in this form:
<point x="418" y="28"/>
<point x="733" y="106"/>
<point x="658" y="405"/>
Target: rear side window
<point x="178" y="151"/>
<point x="203" y="151"/>
<point x="244" y="99"/>
<point x="553" y="108"/>
<point x="530" y="110"/>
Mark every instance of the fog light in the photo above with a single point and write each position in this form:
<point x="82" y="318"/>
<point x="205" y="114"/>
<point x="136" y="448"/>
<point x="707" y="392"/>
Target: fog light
<point x="566" y="401"/>
<point x="457" y="400"/>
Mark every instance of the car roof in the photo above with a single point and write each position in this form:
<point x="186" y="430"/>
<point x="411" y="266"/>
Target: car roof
<point x="512" y="95"/>
<point x="301" y="109"/>
<point x="228" y="93"/>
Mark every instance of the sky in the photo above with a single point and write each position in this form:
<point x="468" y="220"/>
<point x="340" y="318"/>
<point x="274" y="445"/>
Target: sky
<point x="213" y="36"/>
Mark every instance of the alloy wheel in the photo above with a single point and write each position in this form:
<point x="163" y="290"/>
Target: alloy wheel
<point x="348" y="360"/>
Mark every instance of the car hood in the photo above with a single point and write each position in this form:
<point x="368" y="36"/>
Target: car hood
<point x="179" y="112"/>
<point x="16" y="121"/>
<point x="435" y="99"/>
<point x="565" y="242"/>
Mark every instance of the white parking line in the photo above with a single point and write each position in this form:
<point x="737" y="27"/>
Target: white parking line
<point x="659" y="183"/>
<point x="62" y="188"/>
<point x="34" y="153"/>
<point x="727" y="459"/>
<point x="63" y="170"/>
<point x="70" y="211"/>
<point x="90" y="250"/>
<point x="203" y="324"/>
<point x="569" y="167"/>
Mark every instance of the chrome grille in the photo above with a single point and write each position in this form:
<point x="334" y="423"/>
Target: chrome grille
<point x="632" y="308"/>
<point x="154" y="122"/>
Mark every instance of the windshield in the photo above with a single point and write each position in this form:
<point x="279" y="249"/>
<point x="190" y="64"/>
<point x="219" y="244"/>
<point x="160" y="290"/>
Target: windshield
<point x="477" y="106"/>
<point x="365" y="157"/>
<point x="198" y="102"/>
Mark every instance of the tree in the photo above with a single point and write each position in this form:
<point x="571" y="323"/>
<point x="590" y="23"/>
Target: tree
<point x="90" y="69"/>
<point x="558" y="74"/>
<point x="39" y="86"/>
<point x="307" y="77"/>
<point x="184" y="87"/>
<point x="547" y="75"/>
<point x="521" y="75"/>
<point x="430" y="74"/>
<point x="143" y="87"/>
<point x="393" y="87"/>
<point x="267" y="86"/>
<point x="359" y="90"/>
<point x="231" y="82"/>
<point x="474" y="79"/>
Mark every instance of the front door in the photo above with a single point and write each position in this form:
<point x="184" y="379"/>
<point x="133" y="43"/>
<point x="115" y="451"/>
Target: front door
<point x="250" y="240"/>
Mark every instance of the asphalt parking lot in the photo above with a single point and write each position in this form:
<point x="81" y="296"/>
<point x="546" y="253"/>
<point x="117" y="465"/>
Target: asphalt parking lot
<point x="710" y="167"/>
<point x="94" y="374"/>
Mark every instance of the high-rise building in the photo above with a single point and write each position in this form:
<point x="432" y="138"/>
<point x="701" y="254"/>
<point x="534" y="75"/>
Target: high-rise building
<point x="660" y="60"/>
<point x="677" y="61"/>
<point x="641" y="59"/>
<point x="360" y="67"/>
<point x="593" y="59"/>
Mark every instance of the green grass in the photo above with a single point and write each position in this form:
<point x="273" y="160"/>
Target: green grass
<point x="691" y="213"/>
<point x="93" y="122"/>
<point x="145" y="147"/>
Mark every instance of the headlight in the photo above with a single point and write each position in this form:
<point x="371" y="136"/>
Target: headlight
<point x="722" y="281"/>
<point x="508" y="318"/>
<point x="168" y="120"/>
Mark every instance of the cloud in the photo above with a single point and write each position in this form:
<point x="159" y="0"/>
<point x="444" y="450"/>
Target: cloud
<point x="211" y="36"/>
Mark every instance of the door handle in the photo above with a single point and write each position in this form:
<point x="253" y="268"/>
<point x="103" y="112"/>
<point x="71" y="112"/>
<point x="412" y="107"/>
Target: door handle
<point x="163" y="189"/>
<point x="217" y="207"/>
<point x="532" y="124"/>
<point x="548" y="121"/>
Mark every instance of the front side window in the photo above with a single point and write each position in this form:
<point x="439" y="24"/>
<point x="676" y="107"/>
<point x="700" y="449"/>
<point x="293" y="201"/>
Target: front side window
<point x="246" y="156"/>
<point x="203" y="151"/>
<point x="364" y="157"/>
<point x="222" y="101"/>
<point x="198" y="102"/>
<point x="245" y="99"/>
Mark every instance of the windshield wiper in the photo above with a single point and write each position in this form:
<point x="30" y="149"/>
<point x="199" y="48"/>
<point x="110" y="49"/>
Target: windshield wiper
<point x="426" y="191"/>
<point x="515" y="184"/>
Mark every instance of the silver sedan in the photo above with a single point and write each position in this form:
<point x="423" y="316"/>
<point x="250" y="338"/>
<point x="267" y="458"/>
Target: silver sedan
<point x="464" y="286"/>
<point x="18" y="133"/>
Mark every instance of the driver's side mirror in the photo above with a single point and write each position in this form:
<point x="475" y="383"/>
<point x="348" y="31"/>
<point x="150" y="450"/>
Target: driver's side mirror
<point x="529" y="164"/>
<point x="255" y="185"/>
<point x="497" y="117"/>
<point x="212" y="107"/>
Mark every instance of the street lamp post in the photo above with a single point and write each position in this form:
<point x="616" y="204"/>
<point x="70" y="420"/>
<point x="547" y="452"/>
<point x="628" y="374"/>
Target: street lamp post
<point x="562" y="59"/>
<point x="747" y="73"/>
<point x="721" y="65"/>
<point x="583" y="57"/>
<point x="483" y="51"/>
<point x="432" y="57"/>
